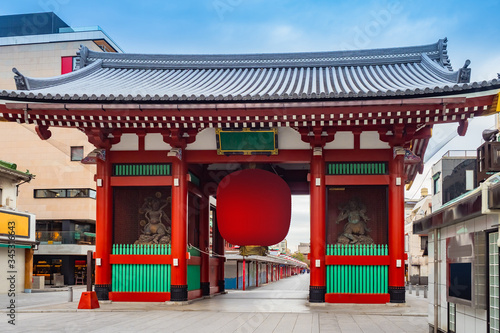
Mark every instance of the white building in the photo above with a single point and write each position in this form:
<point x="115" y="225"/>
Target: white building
<point x="304" y="248"/>
<point x="63" y="194"/>
<point x="416" y="245"/>
<point x="282" y="247"/>
<point x="463" y="258"/>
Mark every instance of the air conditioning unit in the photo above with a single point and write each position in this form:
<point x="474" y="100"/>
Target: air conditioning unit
<point x="488" y="160"/>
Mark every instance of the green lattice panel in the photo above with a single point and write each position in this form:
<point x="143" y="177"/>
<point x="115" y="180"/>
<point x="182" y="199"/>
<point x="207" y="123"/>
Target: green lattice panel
<point x="141" y="170"/>
<point x="357" y="168"/>
<point x="357" y="279"/>
<point x="139" y="277"/>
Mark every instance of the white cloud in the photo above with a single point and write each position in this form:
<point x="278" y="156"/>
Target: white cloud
<point x="488" y="68"/>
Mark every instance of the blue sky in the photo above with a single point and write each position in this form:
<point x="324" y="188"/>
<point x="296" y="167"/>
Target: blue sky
<point x="256" y="26"/>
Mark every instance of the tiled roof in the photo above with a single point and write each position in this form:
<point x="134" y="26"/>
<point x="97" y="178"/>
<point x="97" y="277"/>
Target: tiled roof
<point x="113" y="77"/>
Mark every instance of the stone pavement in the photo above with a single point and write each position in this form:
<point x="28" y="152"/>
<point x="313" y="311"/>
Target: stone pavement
<point x="277" y="307"/>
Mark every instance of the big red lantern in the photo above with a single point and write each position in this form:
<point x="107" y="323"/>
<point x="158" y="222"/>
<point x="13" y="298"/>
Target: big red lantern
<point x="253" y="208"/>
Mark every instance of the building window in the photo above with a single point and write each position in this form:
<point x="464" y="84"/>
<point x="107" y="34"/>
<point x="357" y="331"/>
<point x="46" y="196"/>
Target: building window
<point x="77" y="153"/>
<point x="423" y="244"/>
<point x="469" y="179"/>
<point x="435" y="182"/>
<point x="64" y="193"/>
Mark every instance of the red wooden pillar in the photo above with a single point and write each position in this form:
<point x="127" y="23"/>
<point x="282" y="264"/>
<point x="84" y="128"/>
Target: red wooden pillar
<point x="104" y="228"/>
<point x="317" y="192"/>
<point x="396" y="230"/>
<point x="204" y="245"/>
<point x="267" y="273"/>
<point x="178" y="288"/>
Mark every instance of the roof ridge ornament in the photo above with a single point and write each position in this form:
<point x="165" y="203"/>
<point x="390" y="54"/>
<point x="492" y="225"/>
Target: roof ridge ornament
<point x="82" y="55"/>
<point x="464" y="73"/>
<point x="443" y="52"/>
<point x="21" y="82"/>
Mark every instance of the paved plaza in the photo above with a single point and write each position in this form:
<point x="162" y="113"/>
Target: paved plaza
<point x="277" y="307"/>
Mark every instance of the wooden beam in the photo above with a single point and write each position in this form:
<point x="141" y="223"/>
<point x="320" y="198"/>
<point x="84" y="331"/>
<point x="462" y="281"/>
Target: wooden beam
<point x="344" y="180"/>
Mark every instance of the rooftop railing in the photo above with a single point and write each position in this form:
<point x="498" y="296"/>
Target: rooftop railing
<point x="80" y="29"/>
<point x="461" y="153"/>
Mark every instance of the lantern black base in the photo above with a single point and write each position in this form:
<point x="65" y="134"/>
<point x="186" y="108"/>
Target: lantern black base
<point x="317" y="294"/>
<point x="102" y="291"/>
<point x="178" y="293"/>
<point x="397" y="294"/>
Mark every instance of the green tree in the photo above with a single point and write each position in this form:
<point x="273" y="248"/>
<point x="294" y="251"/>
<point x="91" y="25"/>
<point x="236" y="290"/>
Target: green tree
<point x="301" y="257"/>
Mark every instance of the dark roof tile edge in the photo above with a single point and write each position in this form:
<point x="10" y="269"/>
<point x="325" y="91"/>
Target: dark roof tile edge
<point x="456" y="88"/>
<point x="42" y="83"/>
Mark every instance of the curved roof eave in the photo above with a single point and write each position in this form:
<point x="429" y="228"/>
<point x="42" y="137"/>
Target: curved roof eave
<point x="23" y="96"/>
<point x="404" y="72"/>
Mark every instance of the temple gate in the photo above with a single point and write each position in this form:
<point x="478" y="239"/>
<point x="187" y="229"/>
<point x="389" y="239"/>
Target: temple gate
<point x="348" y="128"/>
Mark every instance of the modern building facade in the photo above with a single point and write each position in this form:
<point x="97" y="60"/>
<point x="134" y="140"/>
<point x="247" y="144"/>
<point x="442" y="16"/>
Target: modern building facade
<point x="281" y="247"/>
<point x="349" y="128"/>
<point x="304" y="248"/>
<point x="63" y="194"/>
<point x="463" y="256"/>
<point x="416" y="246"/>
<point x="453" y="175"/>
<point x="17" y="233"/>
